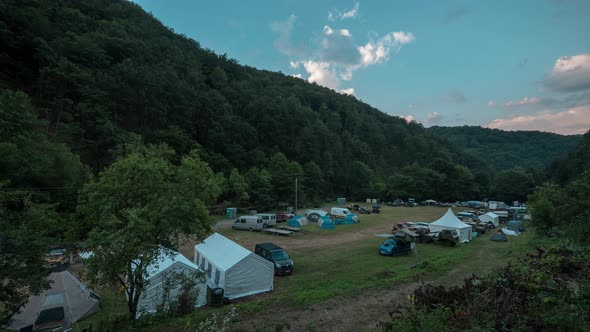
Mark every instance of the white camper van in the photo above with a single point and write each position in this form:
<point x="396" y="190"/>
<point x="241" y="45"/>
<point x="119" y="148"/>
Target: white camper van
<point x="341" y="213"/>
<point x="250" y="223"/>
<point x="268" y="219"/>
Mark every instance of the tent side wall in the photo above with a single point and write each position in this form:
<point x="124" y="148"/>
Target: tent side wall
<point x="215" y="275"/>
<point x="464" y="233"/>
<point x="153" y="294"/>
<point x="252" y="275"/>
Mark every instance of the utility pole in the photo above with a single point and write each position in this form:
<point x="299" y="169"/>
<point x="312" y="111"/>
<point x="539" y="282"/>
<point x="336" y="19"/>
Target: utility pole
<point x="295" y="194"/>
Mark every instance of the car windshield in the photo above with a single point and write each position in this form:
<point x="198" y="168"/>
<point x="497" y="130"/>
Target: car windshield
<point x="389" y="242"/>
<point x="280" y="255"/>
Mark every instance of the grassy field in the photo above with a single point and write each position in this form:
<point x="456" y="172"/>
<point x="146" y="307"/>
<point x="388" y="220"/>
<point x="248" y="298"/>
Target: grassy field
<point x="344" y="263"/>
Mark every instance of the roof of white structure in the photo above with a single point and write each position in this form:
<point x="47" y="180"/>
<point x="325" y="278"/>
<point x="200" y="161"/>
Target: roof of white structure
<point x="222" y="251"/>
<point x="450" y="220"/>
<point x="165" y="260"/>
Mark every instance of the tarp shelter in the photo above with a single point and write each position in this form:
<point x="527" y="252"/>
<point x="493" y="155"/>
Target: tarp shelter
<point x="66" y="302"/>
<point x="506" y="231"/>
<point x="450" y="221"/>
<point x="165" y="269"/>
<point x="234" y="268"/>
<point x="297" y="221"/>
<point x="515" y="225"/>
<point x="490" y="217"/>
<point x="326" y="223"/>
<point x="499" y="237"/>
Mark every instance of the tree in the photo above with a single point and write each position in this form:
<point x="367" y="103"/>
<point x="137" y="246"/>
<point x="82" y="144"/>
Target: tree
<point x="23" y="243"/>
<point x="237" y="187"/>
<point x="139" y="206"/>
<point x="261" y="195"/>
<point x="313" y="181"/>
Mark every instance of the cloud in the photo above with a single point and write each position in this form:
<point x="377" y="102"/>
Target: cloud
<point x="570" y="74"/>
<point x="433" y="118"/>
<point x="345" y="32"/>
<point x="284" y="29"/>
<point x="321" y="73"/>
<point x="456" y="96"/>
<point x="378" y="51"/>
<point x="575" y="120"/>
<point x="523" y="102"/>
<point x="338" y="48"/>
<point x="349" y="91"/>
<point x="296" y="75"/>
<point x="408" y="118"/>
<point x="353" y="13"/>
<point x="491" y="103"/>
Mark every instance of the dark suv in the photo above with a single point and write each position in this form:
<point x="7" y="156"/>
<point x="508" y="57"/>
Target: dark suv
<point x="277" y="255"/>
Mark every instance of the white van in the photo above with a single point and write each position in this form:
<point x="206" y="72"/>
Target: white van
<point x="268" y="219"/>
<point x="251" y="223"/>
<point x="341" y="213"/>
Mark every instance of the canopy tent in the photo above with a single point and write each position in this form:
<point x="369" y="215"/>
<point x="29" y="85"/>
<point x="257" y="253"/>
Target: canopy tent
<point x="326" y="223"/>
<point x="165" y="269"/>
<point x="297" y="221"/>
<point x="234" y="268"/>
<point x="499" y="237"/>
<point x="490" y="217"/>
<point x="430" y="202"/>
<point x="66" y="302"/>
<point x="450" y="221"/>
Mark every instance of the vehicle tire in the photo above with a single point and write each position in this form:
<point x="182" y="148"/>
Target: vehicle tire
<point x="233" y="227"/>
<point x="313" y="217"/>
<point x="264" y="226"/>
<point x="250" y="229"/>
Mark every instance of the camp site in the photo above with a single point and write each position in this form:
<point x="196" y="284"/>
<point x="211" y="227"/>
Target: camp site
<point x="248" y="166"/>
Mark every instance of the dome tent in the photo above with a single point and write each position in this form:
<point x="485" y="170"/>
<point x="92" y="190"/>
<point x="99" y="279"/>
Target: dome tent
<point x="499" y="237"/>
<point x="297" y="221"/>
<point x="515" y="225"/>
<point x="326" y="223"/>
<point x="348" y="220"/>
<point x="450" y="221"/>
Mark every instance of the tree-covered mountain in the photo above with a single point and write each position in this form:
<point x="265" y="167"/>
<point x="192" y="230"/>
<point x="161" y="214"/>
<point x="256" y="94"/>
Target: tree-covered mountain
<point x="508" y="149"/>
<point x="104" y="74"/>
<point x="567" y="168"/>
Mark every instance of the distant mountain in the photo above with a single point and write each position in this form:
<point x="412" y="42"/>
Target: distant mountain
<point x="508" y="149"/>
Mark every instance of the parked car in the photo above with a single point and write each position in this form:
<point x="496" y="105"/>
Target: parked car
<point x="284" y="216"/>
<point x="364" y="210"/>
<point x="278" y="256"/>
<point x="342" y="213"/>
<point x="376" y="208"/>
<point x="56" y="257"/>
<point x="395" y="247"/>
<point x="249" y="223"/>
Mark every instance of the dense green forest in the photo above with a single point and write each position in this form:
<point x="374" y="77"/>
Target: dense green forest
<point x="569" y="167"/>
<point x="508" y="149"/>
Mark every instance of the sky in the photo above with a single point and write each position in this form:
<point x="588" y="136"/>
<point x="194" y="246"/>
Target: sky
<point x="511" y="65"/>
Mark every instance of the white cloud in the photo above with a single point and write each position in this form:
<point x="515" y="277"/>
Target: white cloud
<point x="575" y="120"/>
<point x="570" y="73"/>
<point x="523" y="102"/>
<point x="345" y="32"/>
<point x="294" y="64"/>
<point x="491" y="103"/>
<point x="378" y="51"/>
<point x="296" y="75"/>
<point x="321" y="73"/>
<point x="330" y="17"/>
<point x="284" y="29"/>
<point x="349" y="91"/>
<point x="328" y="30"/>
<point x="408" y="118"/>
<point x="351" y="13"/>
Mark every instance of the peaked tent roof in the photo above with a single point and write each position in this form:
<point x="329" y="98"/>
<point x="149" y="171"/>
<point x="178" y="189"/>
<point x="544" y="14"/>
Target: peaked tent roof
<point x="450" y="220"/>
<point x="165" y="260"/>
<point x="492" y="215"/>
<point x="67" y="301"/>
<point x="223" y="251"/>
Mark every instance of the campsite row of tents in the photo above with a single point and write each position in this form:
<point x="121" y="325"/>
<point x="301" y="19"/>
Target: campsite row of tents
<point x="224" y="264"/>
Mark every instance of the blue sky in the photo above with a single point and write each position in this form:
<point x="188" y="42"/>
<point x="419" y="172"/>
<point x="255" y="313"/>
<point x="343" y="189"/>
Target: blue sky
<point x="502" y="64"/>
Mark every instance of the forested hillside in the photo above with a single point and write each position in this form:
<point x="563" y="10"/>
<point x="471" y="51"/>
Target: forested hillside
<point x="104" y="74"/>
<point x="563" y="170"/>
<point x="509" y="149"/>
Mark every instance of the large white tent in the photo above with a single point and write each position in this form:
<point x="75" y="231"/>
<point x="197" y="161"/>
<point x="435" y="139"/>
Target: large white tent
<point x="165" y="270"/>
<point x="234" y="268"/>
<point x="450" y="221"/>
<point x="490" y="217"/>
<point x="67" y="301"/>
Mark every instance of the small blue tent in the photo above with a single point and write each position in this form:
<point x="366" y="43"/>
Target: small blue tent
<point x="349" y="219"/>
<point x="297" y="221"/>
<point x="326" y="223"/>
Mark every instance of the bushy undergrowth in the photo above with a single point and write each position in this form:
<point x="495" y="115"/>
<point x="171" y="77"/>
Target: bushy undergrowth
<point x="546" y="291"/>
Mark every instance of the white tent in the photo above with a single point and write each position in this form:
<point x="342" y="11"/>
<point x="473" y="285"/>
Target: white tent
<point x="490" y="217"/>
<point x="234" y="268"/>
<point x="450" y="221"/>
<point x="163" y="270"/>
<point x="67" y="301"/>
